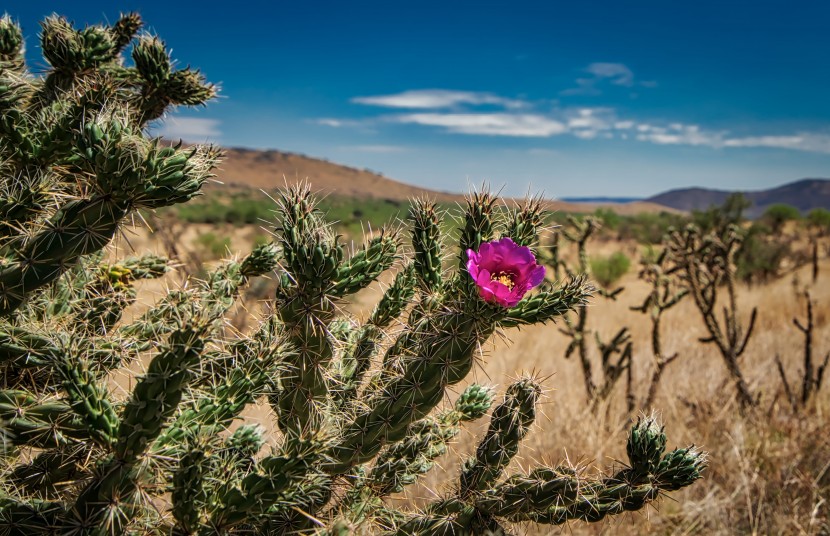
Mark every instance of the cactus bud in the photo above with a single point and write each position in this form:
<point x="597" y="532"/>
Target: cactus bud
<point x="646" y="444"/>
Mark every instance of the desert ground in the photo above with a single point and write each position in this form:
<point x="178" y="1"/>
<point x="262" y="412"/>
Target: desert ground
<point x="768" y="468"/>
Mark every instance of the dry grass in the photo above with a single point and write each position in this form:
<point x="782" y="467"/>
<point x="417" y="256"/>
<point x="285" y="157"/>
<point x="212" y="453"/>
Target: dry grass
<point x="769" y="471"/>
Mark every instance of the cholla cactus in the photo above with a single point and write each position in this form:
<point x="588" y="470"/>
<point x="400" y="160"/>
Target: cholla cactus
<point x="615" y="355"/>
<point x="705" y="264"/>
<point x="665" y="293"/>
<point x="353" y="401"/>
<point x="75" y="162"/>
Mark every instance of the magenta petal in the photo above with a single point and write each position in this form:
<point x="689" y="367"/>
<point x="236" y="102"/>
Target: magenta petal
<point x="521" y="256"/>
<point x="487" y="293"/>
<point x="508" y="258"/>
<point x="473" y="262"/>
<point x="537" y="275"/>
<point x="507" y="297"/>
<point x="483" y="277"/>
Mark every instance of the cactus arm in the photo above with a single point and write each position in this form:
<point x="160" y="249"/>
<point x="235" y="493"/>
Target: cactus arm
<point x="49" y="471"/>
<point x="395" y="299"/>
<point x="509" y="424"/>
<point x="159" y="391"/>
<point x="189" y="496"/>
<point x="26" y="348"/>
<point x="478" y="225"/>
<point x="29" y="421"/>
<point x="312" y="258"/>
<point x="401" y="463"/>
<point x="258" y="491"/>
<point x="525" y="223"/>
<point x="365" y="266"/>
<point x="35" y="516"/>
<point x="549" y="304"/>
<point x="426" y="241"/>
<point x="255" y="365"/>
<point x="90" y="401"/>
<point x="441" y="354"/>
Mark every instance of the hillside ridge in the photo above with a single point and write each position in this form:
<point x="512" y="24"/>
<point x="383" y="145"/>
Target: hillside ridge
<point x="272" y="169"/>
<point x="804" y="194"/>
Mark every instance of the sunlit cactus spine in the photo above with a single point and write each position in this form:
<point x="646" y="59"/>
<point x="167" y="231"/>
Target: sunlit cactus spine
<point x="74" y="157"/>
<point x="510" y="422"/>
<point x="358" y="401"/>
<point x="551" y="495"/>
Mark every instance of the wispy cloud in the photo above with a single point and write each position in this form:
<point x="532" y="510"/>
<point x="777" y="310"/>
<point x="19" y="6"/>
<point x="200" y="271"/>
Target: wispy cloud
<point x="533" y="121"/>
<point x="190" y="129"/>
<point x="679" y="134"/>
<point x="587" y="123"/>
<point x="329" y="122"/>
<point x="500" y="124"/>
<point x="438" y="98"/>
<point x="339" y="123"/>
<point x="616" y="73"/>
<point x="603" y="123"/>
<point x="683" y="134"/>
<point x="602" y="73"/>
<point x="805" y="141"/>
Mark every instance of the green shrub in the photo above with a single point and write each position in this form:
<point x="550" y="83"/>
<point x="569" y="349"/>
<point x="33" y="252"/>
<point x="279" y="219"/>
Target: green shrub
<point x="819" y="219"/>
<point x="216" y="247"/>
<point x="776" y="216"/>
<point x="761" y="254"/>
<point x="608" y="270"/>
<point x="610" y="219"/>
<point x="649" y="228"/>
<point x="718" y="218"/>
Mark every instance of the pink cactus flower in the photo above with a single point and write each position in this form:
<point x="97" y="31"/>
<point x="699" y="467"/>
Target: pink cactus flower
<point x="504" y="271"/>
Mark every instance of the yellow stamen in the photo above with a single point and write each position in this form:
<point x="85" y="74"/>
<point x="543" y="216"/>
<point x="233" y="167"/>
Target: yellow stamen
<point x="504" y="278"/>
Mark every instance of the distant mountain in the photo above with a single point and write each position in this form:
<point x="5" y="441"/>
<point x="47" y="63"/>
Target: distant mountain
<point x="804" y="195"/>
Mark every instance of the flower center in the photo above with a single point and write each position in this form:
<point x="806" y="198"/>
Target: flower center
<point x="505" y="278"/>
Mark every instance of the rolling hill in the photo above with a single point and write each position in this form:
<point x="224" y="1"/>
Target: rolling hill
<point x="271" y="169"/>
<point x="805" y="195"/>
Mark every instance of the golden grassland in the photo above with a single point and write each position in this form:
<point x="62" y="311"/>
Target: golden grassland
<point x="769" y="470"/>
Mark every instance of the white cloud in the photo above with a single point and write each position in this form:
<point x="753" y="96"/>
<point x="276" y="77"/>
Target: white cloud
<point x="616" y="73"/>
<point x="590" y="118"/>
<point x="499" y="124"/>
<point x="340" y="123"/>
<point x="437" y="98"/>
<point x="683" y="134"/>
<point x="805" y="141"/>
<point x="589" y="123"/>
<point x="680" y="134"/>
<point x="585" y="134"/>
<point x="586" y="123"/>
<point x="336" y="123"/>
<point x="190" y="129"/>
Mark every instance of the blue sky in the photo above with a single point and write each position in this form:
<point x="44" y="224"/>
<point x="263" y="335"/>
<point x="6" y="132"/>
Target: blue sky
<point x="574" y="99"/>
